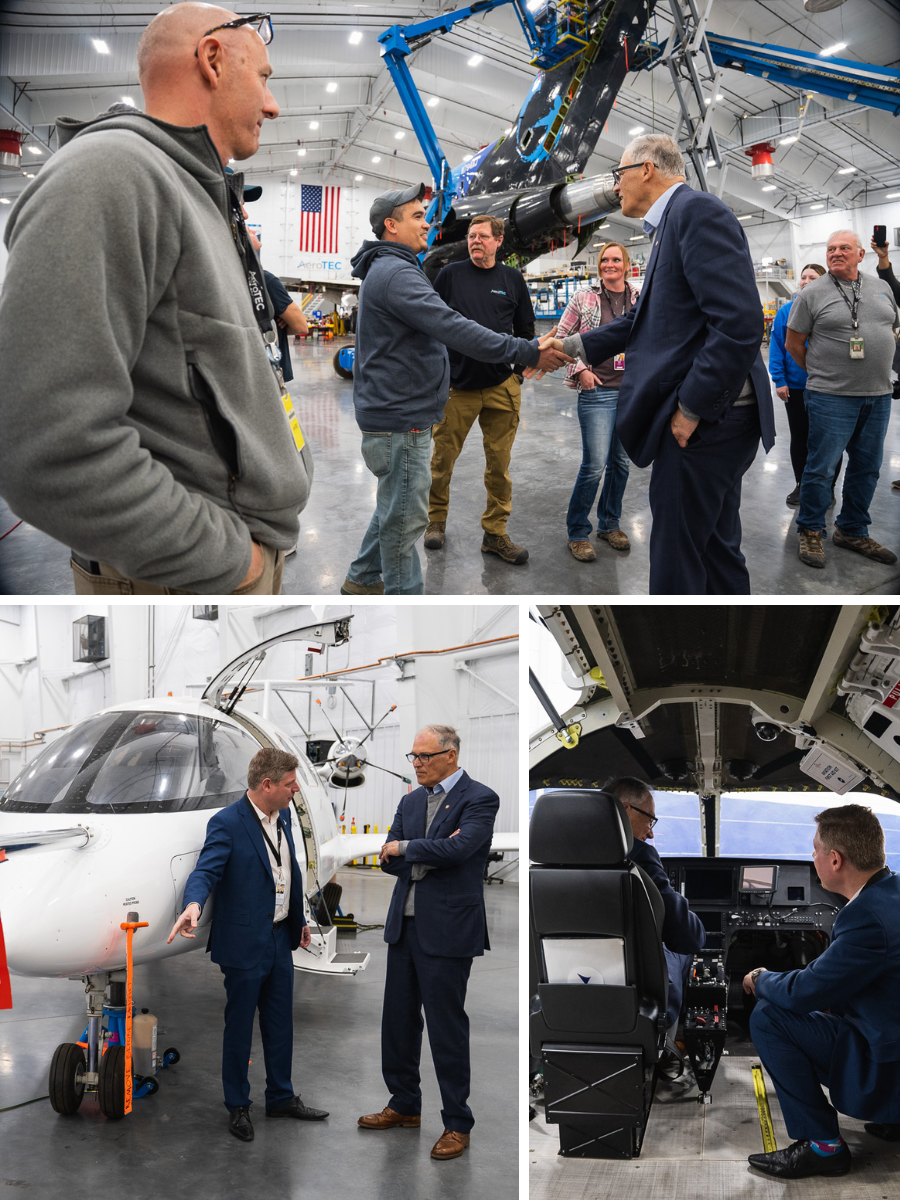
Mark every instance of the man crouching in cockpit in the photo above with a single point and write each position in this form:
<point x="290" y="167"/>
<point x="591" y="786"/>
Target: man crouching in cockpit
<point x="683" y="933"/>
<point x="837" y="1021"/>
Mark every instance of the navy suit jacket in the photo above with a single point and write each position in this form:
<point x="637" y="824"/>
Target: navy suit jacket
<point x="694" y="334"/>
<point x="450" y="918"/>
<point x="682" y="930"/>
<point x="858" y="979"/>
<point x="235" y="863"/>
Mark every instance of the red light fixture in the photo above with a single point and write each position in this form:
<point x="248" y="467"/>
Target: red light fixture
<point x="760" y="155"/>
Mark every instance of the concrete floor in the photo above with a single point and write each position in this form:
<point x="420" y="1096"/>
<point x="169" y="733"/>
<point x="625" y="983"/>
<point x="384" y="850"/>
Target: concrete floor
<point x="545" y="462"/>
<point x="177" y="1144"/>
<point x="697" y="1151"/>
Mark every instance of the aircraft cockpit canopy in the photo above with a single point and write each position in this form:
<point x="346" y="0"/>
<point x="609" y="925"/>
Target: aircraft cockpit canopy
<point x="136" y="762"/>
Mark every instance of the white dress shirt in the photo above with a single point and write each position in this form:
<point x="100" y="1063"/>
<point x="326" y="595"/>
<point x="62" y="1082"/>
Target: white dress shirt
<point x="270" y="825"/>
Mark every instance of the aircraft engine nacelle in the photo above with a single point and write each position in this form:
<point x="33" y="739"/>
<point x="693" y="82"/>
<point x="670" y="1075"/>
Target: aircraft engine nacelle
<point x="536" y="220"/>
<point x="346" y="767"/>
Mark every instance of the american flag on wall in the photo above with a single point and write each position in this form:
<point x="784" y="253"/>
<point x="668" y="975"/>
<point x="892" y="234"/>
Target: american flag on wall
<point x="319" y="211"/>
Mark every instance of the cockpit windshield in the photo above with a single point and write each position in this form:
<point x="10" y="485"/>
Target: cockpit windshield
<point x="136" y="762"/>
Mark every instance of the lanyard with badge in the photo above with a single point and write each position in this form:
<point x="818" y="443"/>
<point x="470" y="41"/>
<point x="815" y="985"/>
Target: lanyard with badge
<point x="857" y="349"/>
<point x="619" y="359"/>
<point x="276" y="854"/>
<point x="259" y="299"/>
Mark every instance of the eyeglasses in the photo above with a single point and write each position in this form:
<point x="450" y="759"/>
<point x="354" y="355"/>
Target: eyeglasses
<point x="264" y="28"/>
<point x="426" y="758"/>
<point x="652" y="820"/>
<point x="617" y="171"/>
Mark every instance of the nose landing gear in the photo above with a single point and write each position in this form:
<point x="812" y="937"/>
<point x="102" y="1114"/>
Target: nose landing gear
<point x="96" y="1064"/>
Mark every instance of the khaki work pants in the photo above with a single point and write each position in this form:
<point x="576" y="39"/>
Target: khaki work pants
<point x="497" y="411"/>
<point x="110" y="583"/>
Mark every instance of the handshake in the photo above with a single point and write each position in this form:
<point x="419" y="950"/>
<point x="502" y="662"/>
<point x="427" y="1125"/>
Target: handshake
<point x="552" y="356"/>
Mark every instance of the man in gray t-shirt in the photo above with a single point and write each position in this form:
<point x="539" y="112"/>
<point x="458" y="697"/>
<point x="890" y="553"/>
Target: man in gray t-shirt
<point x="849" y="321"/>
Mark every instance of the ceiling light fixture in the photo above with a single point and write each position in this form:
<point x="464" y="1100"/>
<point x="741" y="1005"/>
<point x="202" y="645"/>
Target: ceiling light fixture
<point x="35" y="150"/>
<point x="746" y="216"/>
<point x="302" y="152"/>
<point x="433" y="102"/>
<point x="892" y="196"/>
<point x="358" y="178"/>
<point x="815" y="206"/>
<point x="293" y="171"/>
<point x="3" y="200"/>
<point x="314" y="124"/>
<point x="638" y="237"/>
<point x="637" y="129"/>
<point x="770" y="187"/>
<point x="785" y="141"/>
<point x="475" y="60"/>
<point x="128" y="100"/>
<point x="833" y="49"/>
<point x="847" y="170"/>
<point x="399" y="135"/>
<point x="355" y="38"/>
<point x="376" y="158"/>
<point x="331" y="87"/>
<point x="100" y="47"/>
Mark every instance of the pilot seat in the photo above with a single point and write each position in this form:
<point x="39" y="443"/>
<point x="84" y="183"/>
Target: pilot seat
<point x="597" y="1020"/>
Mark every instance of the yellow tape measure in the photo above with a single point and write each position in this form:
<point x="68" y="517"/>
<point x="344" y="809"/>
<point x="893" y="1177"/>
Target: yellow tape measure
<point x="762" y="1104"/>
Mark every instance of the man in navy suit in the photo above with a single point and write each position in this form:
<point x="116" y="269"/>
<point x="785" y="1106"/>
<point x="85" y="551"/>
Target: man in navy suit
<point x="682" y="933"/>
<point x="853" y="1047"/>
<point x="438" y="845"/>
<point x="248" y="859"/>
<point x="696" y="396"/>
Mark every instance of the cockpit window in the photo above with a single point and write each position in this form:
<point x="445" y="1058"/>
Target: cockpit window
<point x="782" y="824"/>
<point x="677" y="831"/>
<point x="136" y="762"/>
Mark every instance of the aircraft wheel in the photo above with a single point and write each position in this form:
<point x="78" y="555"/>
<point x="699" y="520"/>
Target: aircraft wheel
<point x="171" y="1057"/>
<point x="342" y="371"/>
<point x="67" y="1078"/>
<point x="149" y="1082"/>
<point x="111" y="1086"/>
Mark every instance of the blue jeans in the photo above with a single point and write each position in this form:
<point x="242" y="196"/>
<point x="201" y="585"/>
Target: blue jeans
<point x="600" y="450"/>
<point x="858" y="425"/>
<point x="401" y="462"/>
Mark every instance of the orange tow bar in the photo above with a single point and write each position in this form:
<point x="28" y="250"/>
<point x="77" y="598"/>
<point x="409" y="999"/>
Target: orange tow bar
<point x="129" y="927"/>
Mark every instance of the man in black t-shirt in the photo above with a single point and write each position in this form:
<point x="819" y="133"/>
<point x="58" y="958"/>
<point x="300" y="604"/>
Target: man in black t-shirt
<point x="497" y="297"/>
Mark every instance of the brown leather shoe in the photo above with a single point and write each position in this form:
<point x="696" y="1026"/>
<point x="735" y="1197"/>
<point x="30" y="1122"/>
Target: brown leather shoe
<point x="616" y="538"/>
<point x="583" y="551"/>
<point x="863" y="545"/>
<point x="388" y="1119"/>
<point x="450" y="1144"/>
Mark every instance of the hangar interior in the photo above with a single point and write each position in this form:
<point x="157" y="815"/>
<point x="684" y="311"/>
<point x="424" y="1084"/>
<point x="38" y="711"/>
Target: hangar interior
<point x="835" y="163"/>
<point x="398" y="669"/>
<point x="725" y="712"/>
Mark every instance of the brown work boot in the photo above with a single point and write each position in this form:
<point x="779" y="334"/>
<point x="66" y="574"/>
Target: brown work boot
<point x="450" y="1144"/>
<point x="504" y="547"/>
<point x="863" y="545"/>
<point x="811" y="551"/>
<point x="583" y="551"/>
<point x="388" y="1119"/>
<point x="434" y="535"/>
<point x="616" y="538"/>
<point x="349" y="588"/>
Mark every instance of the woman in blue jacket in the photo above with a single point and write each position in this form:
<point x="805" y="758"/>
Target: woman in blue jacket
<point x="790" y="381"/>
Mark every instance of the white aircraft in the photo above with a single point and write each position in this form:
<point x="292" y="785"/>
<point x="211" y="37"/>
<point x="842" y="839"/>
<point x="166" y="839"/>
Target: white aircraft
<point x="109" y="820"/>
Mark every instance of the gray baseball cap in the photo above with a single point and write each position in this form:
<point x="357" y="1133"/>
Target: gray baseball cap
<point x="385" y="205"/>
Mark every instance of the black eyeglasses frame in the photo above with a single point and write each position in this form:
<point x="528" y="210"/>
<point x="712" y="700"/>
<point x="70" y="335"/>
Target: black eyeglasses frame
<point x="261" y="17"/>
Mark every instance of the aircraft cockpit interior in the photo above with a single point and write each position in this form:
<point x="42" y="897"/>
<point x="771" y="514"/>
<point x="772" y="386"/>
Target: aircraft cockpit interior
<point x="679" y="758"/>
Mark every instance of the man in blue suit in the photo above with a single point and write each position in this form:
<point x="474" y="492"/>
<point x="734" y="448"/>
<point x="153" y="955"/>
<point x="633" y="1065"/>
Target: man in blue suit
<point x="248" y="859"/>
<point x="682" y="933"/>
<point x="696" y="396"/>
<point x="837" y="1021"/>
<point x="438" y="845"/>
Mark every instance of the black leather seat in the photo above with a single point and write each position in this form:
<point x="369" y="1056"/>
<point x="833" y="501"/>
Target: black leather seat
<point x="598" y="1018"/>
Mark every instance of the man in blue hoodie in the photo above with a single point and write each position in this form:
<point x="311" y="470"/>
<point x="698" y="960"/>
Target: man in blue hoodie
<point x="401" y="381"/>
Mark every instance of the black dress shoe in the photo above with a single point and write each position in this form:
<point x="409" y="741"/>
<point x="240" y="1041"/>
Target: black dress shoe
<point x="800" y="1160"/>
<point x="296" y="1108"/>
<point x="241" y="1125"/>
<point x="887" y="1133"/>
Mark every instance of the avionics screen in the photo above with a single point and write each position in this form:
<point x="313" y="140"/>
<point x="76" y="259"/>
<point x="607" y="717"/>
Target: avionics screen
<point x="712" y="884"/>
<point x="712" y="921"/>
<point x="757" y="879"/>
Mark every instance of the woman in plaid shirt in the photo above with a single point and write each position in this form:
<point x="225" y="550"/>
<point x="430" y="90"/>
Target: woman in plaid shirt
<point x="598" y="394"/>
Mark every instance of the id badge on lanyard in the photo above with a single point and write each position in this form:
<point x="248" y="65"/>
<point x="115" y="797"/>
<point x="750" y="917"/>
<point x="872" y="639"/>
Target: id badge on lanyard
<point x="279" y="891"/>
